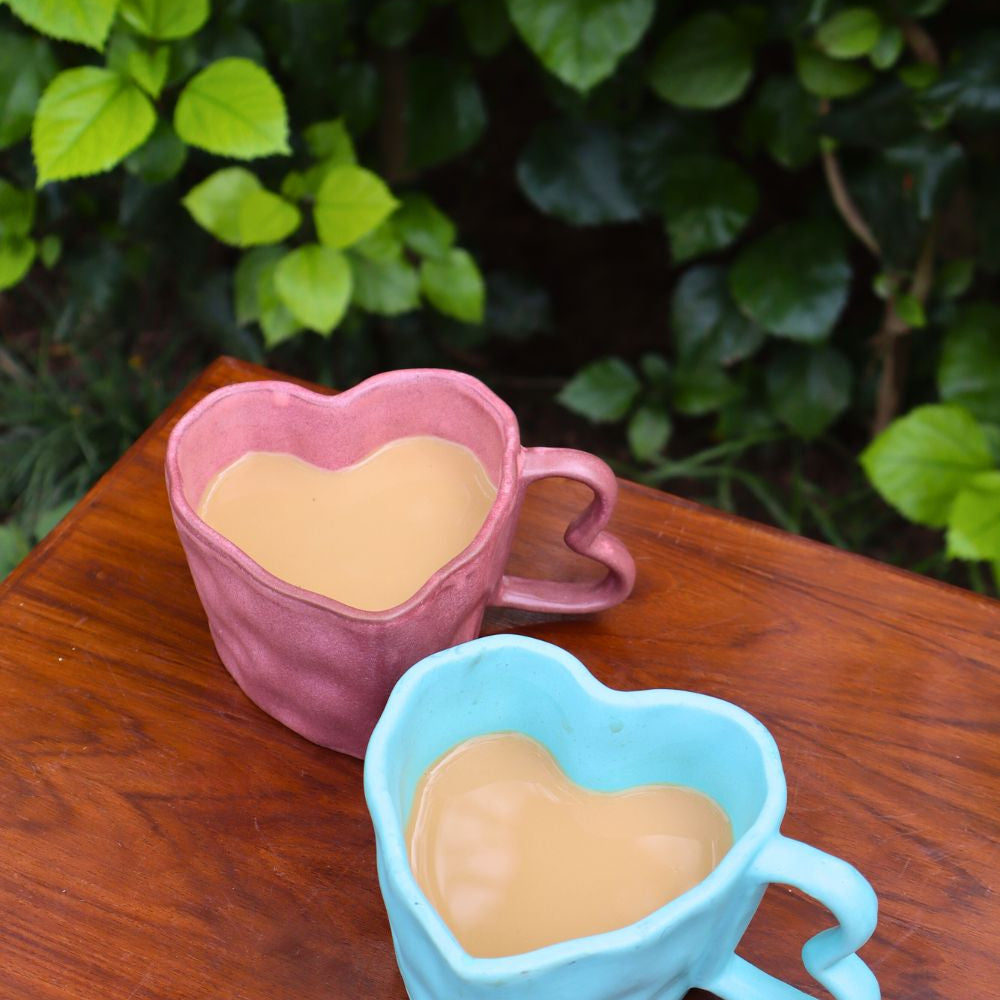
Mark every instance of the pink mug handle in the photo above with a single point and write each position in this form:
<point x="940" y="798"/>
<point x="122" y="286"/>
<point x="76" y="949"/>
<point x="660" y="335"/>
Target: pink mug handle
<point x="585" y="535"/>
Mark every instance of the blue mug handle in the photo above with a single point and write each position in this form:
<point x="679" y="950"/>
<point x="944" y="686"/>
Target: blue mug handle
<point x="829" y="957"/>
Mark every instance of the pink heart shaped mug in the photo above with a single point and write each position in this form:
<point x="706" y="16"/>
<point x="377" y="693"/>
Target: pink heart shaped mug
<point x="323" y="668"/>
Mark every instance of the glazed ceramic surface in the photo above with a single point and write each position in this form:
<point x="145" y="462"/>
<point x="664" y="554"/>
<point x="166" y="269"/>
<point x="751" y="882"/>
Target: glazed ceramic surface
<point x="608" y="740"/>
<point x="321" y="667"/>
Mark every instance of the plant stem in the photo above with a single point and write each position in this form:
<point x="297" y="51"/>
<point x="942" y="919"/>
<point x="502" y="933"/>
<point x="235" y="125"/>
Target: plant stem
<point x="849" y="212"/>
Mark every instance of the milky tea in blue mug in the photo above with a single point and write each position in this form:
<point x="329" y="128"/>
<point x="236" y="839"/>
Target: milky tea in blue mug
<point x="606" y="741"/>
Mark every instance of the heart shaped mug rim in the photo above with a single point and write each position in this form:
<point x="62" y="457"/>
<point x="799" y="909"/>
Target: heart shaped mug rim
<point x="617" y="704"/>
<point x="507" y="487"/>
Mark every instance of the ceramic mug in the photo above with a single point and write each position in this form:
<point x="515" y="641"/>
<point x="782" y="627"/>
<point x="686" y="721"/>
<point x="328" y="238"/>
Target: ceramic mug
<point x="608" y="740"/>
<point x="321" y="667"/>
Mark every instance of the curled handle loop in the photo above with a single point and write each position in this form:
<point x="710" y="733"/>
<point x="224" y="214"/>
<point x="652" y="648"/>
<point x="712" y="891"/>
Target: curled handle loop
<point x="829" y="957"/>
<point x="585" y="535"/>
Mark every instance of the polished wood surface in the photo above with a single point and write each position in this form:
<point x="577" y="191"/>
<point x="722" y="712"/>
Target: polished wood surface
<point x="163" y="839"/>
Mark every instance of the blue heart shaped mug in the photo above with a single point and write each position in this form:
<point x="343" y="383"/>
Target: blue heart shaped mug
<point x="608" y="740"/>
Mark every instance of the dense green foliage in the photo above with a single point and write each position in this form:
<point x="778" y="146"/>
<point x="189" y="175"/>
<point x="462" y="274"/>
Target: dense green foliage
<point x="823" y="174"/>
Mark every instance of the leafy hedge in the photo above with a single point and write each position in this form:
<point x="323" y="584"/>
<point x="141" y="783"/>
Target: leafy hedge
<point x="823" y="173"/>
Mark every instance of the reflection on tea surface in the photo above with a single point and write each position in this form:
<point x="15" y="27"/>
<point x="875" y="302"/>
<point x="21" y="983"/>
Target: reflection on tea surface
<point x="369" y="535"/>
<point x="515" y="856"/>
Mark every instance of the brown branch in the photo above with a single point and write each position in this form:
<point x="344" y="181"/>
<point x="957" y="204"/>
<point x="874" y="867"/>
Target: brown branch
<point x="920" y="42"/>
<point x="892" y="344"/>
<point x="842" y="199"/>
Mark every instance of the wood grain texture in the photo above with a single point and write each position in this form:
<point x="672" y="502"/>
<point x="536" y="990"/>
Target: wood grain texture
<point x="163" y="839"/>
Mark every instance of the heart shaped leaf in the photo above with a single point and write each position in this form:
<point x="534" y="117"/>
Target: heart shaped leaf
<point x="922" y="461"/>
<point x="387" y="287"/>
<point x="454" y="286"/>
<point x="165" y="19"/>
<point x="574" y="170"/>
<point x="974" y="520"/>
<point x="808" y="388"/>
<point x="969" y="370"/>
<point x="314" y="283"/>
<point x="706" y="62"/>
<point x="581" y="41"/>
<point x="794" y="280"/>
<point x="707" y="202"/>
<point x="233" y="206"/>
<point x="785" y="119"/>
<point x="87" y="121"/>
<point x="602" y="392"/>
<point x="233" y="108"/>
<point x="648" y="432"/>
<point x="708" y="327"/>
<point x="350" y="202"/>
<point x="84" y="21"/>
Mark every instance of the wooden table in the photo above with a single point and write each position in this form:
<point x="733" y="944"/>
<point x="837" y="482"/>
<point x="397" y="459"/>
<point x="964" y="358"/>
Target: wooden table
<point x="160" y="837"/>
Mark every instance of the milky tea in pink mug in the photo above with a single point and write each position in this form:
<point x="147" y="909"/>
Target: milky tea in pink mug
<point x="321" y="667"/>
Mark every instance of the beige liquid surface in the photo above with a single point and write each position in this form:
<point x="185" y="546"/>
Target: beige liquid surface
<point x="369" y="535"/>
<point x="514" y="856"/>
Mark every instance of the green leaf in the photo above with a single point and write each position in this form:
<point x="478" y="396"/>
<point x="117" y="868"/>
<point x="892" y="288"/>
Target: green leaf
<point x="350" y="202"/>
<point x="165" y="19"/>
<point x="954" y="278"/>
<point x="968" y="373"/>
<point x="26" y="66"/>
<point x="423" y="227"/>
<point x="573" y="170"/>
<point x="919" y="76"/>
<point x="707" y="203"/>
<point x="708" y="328"/>
<point x="17" y="210"/>
<point x="701" y="388"/>
<point x="794" y="280"/>
<point x="160" y="157"/>
<point x="974" y="519"/>
<point x="84" y="21"/>
<point x="392" y="23"/>
<point x="386" y="287"/>
<point x="88" y="120"/>
<point x="581" y="41"/>
<point x="233" y="206"/>
<point x="444" y="114"/>
<point x="826" y="77"/>
<point x="851" y="32"/>
<point x="970" y="85"/>
<point x="651" y="141"/>
<point x="330" y="141"/>
<point x="808" y="388"/>
<point x="314" y="283"/>
<point x="247" y="279"/>
<point x="602" y="392"/>
<point x="785" y="120"/>
<point x="16" y="257"/>
<point x="706" y="62"/>
<point x="276" y="320"/>
<point x="888" y="48"/>
<point x="233" y="108"/>
<point x="148" y="67"/>
<point x="487" y="26"/>
<point x="50" y="250"/>
<point x="648" y="432"/>
<point x="922" y="461"/>
<point x="14" y="546"/>
<point x="910" y="310"/>
<point x="454" y="286"/>
<point x="382" y="243"/>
